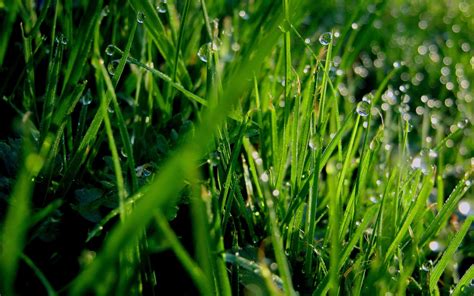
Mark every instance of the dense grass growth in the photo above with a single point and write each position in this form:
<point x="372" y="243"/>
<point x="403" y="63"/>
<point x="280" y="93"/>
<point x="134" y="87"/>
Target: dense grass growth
<point x="236" y="147"/>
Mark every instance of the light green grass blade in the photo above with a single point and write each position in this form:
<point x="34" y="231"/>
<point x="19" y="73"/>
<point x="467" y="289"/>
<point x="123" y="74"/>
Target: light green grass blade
<point x="446" y="211"/>
<point x="448" y="254"/>
<point x="413" y="212"/>
<point x="462" y="286"/>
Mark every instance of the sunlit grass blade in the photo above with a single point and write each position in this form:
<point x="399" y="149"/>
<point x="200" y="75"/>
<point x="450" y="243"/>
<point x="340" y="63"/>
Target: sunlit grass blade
<point x="447" y="255"/>
<point x="463" y="284"/>
<point x="447" y="209"/>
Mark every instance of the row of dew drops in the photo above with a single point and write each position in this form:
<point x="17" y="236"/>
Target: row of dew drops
<point x="206" y="49"/>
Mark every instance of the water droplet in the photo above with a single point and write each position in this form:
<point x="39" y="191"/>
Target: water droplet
<point x="143" y="171"/>
<point x="105" y="11"/>
<point x="264" y="177"/>
<point x="112" y="67"/>
<point x="313" y="143"/>
<point x="110" y="50"/>
<point x="146" y="173"/>
<point x="325" y="38"/>
<point x="255" y="155"/>
<point x="204" y="51"/>
<point x="363" y="108"/>
<point x="397" y="64"/>
<point x="61" y="39"/>
<point x="235" y="46"/>
<point x="86" y="99"/>
<point x="464" y="208"/>
<point x="419" y="163"/>
<point x="463" y="123"/>
<point x="124" y="154"/>
<point x="434" y="246"/>
<point x="162" y="7"/>
<point x="244" y="15"/>
<point x="275" y="192"/>
<point x="425" y="267"/>
<point x="214" y="159"/>
<point x="110" y="109"/>
<point x="307" y="69"/>
<point x="273" y="266"/>
<point x="140" y="17"/>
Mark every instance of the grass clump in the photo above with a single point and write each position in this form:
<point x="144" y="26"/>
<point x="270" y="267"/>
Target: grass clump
<point x="236" y="147"/>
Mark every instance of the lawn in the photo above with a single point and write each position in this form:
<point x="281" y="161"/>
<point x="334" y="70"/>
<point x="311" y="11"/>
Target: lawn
<point x="164" y="147"/>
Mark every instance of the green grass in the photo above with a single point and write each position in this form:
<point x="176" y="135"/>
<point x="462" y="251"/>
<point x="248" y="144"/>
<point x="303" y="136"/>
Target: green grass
<point x="236" y="147"/>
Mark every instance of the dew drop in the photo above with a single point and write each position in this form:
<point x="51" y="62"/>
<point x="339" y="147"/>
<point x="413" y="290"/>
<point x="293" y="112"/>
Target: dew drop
<point x="110" y="50"/>
<point x="162" y="7"/>
<point x="463" y="123"/>
<point x="244" y="15"/>
<point x="105" y="11"/>
<point x="397" y="65"/>
<point x="214" y="159"/>
<point x="124" y="154"/>
<point x="363" y="108"/>
<point x="110" y="109"/>
<point x="61" y="39"/>
<point x="140" y="17"/>
<point x="464" y="208"/>
<point x="203" y="52"/>
<point x="112" y="67"/>
<point x="434" y="246"/>
<point x="86" y="99"/>
<point x="325" y="38"/>
<point x="264" y="177"/>
<point x="313" y="143"/>
<point x="146" y="172"/>
<point x="424" y="267"/>
<point x="275" y="192"/>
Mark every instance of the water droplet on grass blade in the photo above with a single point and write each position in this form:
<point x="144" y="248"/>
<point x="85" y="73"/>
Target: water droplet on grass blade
<point x="214" y="159"/>
<point x="463" y="123"/>
<point x="162" y="7"/>
<point x="363" y="108"/>
<point x="110" y="50"/>
<point x="61" y="39"/>
<point x="86" y="99"/>
<point x="313" y="143"/>
<point x="264" y="177"/>
<point x="140" y="17"/>
<point x="105" y="11"/>
<point x="122" y="151"/>
<point x="112" y="67"/>
<point x="397" y="64"/>
<point x="146" y="173"/>
<point x="203" y="52"/>
<point x="244" y="15"/>
<point x="325" y="38"/>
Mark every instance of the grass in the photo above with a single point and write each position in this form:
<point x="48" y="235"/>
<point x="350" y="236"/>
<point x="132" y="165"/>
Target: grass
<point x="236" y="148"/>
